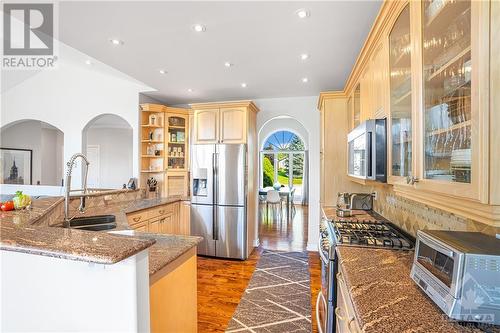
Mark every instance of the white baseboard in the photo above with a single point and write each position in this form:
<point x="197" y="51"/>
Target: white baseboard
<point x="313" y="247"/>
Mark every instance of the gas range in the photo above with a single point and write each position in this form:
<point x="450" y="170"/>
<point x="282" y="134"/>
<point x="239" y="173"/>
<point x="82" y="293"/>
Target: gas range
<point x="366" y="230"/>
<point x="370" y="233"/>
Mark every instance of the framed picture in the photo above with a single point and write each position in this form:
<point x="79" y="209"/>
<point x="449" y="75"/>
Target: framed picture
<point x="16" y="166"/>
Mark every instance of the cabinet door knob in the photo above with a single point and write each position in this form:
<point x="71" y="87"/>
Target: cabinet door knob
<point x="162" y="211"/>
<point x="136" y="219"/>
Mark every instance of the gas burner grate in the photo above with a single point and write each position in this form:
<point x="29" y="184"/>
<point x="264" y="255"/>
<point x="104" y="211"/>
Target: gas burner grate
<point x="369" y="233"/>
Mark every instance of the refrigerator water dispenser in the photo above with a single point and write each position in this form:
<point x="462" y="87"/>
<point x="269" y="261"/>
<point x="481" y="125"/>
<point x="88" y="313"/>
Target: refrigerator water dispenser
<point x="200" y="183"/>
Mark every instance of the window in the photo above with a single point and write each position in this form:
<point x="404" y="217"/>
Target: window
<point x="282" y="161"/>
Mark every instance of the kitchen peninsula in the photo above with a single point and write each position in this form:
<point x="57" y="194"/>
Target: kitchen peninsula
<point x="58" y="273"/>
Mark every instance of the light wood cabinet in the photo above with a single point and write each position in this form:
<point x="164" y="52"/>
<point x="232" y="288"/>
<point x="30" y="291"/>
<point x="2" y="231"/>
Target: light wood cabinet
<point x="365" y="95"/>
<point x="177" y="183"/>
<point x="437" y="89"/>
<point x="164" y="219"/>
<point x="379" y="76"/>
<point x="334" y="124"/>
<point x="222" y="122"/>
<point x="164" y="142"/>
<point x="206" y="126"/>
<point x="173" y="296"/>
<point x="344" y="312"/>
<point x="233" y="125"/>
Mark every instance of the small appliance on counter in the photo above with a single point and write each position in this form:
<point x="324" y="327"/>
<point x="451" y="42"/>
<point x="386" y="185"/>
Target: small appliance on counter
<point x="367" y="151"/>
<point x="347" y="202"/>
<point x="460" y="272"/>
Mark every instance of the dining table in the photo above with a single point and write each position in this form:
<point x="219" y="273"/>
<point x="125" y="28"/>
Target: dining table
<point x="284" y="192"/>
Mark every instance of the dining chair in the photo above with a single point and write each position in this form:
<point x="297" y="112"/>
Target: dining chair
<point x="273" y="198"/>
<point x="292" y="194"/>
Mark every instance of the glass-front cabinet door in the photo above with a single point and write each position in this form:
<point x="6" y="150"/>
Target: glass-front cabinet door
<point x="450" y="118"/>
<point x="400" y="97"/>
<point x="447" y="90"/>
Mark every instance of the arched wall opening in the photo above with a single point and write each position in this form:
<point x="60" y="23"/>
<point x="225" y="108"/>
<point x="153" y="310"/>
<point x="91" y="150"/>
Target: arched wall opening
<point x="288" y="162"/>
<point x="31" y="153"/>
<point x="107" y="141"/>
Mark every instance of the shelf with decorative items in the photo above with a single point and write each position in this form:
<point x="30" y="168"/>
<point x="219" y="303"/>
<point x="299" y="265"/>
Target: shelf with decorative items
<point x="177" y="151"/>
<point x="152" y="146"/>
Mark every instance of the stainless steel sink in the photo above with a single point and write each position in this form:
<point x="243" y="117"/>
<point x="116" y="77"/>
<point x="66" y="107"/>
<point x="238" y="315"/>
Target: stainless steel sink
<point x="94" y="223"/>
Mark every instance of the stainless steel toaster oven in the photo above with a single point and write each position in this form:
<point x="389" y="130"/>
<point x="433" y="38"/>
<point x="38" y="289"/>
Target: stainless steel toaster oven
<point x="460" y="272"/>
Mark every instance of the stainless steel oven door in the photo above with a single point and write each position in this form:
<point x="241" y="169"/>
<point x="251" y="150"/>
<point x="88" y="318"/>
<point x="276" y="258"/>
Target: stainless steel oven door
<point x="321" y="313"/>
<point x="324" y="303"/>
<point x="327" y="274"/>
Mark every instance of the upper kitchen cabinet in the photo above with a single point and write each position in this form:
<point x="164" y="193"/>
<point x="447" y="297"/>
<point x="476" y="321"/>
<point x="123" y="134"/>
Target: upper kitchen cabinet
<point x="379" y="79"/>
<point x="233" y="125"/>
<point x="223" y="122"/>
<point x="438" y="95"/>
<point x="206" y="126"/>
<point x="400" y="163"/>
<point x="454" y="105"/>
<point x="177" y="128"/>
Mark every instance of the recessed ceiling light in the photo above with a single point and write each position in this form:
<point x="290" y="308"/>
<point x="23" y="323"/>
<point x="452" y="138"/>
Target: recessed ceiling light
<point x="199" y="28"/>
<point x="116" y="41"/>
<point x="243" y="85"/>
<point x="304" y="56"/>
<point x="190" y="90"/>
<point x="162" y="71"/>
<point x="88" y="62"/>
<point x="305" y="80"/>
<point x="302" y="13"/>
<point x="228" y="64"/>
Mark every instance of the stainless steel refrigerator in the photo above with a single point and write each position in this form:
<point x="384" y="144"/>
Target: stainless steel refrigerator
<point x="218" y="199"/>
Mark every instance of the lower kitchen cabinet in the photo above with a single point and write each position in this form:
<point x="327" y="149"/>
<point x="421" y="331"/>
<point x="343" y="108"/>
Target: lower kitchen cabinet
<point x="173" y="296"/>
<point x="344" y="312"/>
<point x="173" y="219"/>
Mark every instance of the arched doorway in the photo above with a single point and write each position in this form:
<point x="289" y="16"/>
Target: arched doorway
<point x="31" y="153"/>
<point x="283" y="163"/>
<point x="107" y="141"/>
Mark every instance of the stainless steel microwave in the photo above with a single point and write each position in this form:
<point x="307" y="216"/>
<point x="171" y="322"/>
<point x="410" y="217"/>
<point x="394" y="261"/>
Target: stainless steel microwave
<point x="367" y="151"/>
<point x="460" y="272"/>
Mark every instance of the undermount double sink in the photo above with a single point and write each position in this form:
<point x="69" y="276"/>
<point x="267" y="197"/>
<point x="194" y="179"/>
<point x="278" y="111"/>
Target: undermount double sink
<point x="94" y="223"/>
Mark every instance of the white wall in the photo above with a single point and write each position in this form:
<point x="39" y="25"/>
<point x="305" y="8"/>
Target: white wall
<point x="46" y="144"/>
<point x="115" y="155"/>
<point x="70" y="96"/>
<point x="303" y="110"/>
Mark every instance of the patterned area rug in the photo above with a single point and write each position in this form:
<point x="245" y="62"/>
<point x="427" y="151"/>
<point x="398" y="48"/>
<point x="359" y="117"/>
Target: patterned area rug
<point x="278" y="296"/>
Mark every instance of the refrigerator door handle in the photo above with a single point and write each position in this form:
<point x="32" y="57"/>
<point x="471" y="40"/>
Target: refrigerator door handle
<point x="215" y="192"/>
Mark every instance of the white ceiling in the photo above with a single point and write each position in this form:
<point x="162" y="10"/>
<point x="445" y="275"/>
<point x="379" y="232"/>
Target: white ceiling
<point x="264" y="41"/>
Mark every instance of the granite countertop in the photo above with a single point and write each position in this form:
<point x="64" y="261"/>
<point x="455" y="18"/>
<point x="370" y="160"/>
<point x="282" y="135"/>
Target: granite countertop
<point x="166" y="249"/>
<point x="20" y="232"/>
<point x="70" y="244"/>
<point x="385" y="298"/>
<point x="39" y="207"/>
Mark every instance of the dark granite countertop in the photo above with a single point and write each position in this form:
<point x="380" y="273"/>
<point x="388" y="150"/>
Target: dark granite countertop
<point x="385" y="298"/>
<point x="21" y="232"/>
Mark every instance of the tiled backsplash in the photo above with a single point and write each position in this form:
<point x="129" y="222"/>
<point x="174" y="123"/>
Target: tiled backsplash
<point x="412" y="216"/>
<point x="54" y="217"/>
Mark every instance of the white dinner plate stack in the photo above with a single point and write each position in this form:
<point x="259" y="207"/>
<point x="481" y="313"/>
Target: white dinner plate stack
<point x="461" y="158"/>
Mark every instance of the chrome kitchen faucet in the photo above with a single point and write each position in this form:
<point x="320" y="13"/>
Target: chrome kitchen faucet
<point x="70" y="165"/>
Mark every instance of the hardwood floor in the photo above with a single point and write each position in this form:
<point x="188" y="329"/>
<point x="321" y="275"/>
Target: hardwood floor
<point x="222" y="282"/>
<point x="276" y="234"/>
